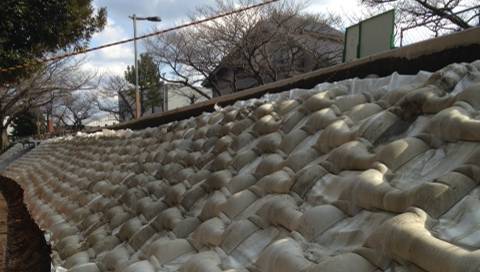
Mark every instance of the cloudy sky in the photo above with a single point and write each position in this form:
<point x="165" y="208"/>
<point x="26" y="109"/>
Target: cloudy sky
<point x="173" y="12"/>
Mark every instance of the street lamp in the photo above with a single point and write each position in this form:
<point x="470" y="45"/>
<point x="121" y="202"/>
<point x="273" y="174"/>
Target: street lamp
<point x="138" y="110"/>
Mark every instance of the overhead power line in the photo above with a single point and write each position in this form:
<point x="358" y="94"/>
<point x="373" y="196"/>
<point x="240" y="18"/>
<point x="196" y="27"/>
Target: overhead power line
<point x="87" y="50"/>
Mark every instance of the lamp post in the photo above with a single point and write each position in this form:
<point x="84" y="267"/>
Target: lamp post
<point x="138" y="106"/>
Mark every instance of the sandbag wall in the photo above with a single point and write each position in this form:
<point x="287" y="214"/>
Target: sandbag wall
<point x="337" y="180"/>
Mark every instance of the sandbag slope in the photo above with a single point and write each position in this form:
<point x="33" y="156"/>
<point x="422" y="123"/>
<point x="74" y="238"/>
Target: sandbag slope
<point x="329" y="179"/>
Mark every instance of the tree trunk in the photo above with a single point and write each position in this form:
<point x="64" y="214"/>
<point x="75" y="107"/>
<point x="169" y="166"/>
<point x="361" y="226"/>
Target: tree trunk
<point x="4" y="142"/>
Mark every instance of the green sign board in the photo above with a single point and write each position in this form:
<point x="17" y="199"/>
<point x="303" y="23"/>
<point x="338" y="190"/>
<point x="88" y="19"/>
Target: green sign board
<point x="371" y="36"/>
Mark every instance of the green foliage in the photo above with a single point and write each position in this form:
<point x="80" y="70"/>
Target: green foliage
<point x="24" y="125"/>
<point x="149" y="81"/>
<point x="30" y="29"/>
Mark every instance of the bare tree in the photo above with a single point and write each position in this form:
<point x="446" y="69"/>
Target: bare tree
<point x="264" y="44"/>
<point x="437" y="15"/>
<point x="51" y="81"/>
<point x="177" y="53"/>
<point x="74" y="108"/>
<point x="116" y="90"/>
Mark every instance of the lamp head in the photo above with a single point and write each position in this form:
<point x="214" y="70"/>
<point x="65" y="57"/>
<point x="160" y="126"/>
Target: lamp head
<point x="154" y="19"/>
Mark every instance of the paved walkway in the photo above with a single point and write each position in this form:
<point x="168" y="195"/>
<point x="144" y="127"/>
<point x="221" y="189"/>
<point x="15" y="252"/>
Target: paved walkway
<point x="7" y="162"/>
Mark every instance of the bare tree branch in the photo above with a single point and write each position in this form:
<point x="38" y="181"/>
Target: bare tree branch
<point x="437" y="15"/>
<point x="116" y="90"/>
<point x="249" y="45"/>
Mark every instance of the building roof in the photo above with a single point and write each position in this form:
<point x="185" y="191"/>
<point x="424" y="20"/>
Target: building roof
<point x="361" y="175"/>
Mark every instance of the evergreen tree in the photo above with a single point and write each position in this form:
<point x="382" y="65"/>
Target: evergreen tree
<point x="31" y="29"/>
<point x="25" y="125"/>
<point x="149" y="82"/>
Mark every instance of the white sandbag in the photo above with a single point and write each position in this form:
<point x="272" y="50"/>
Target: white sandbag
<point x="284" y="255"/>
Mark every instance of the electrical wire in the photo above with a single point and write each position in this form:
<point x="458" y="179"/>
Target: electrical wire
<point x="87" y="50"/>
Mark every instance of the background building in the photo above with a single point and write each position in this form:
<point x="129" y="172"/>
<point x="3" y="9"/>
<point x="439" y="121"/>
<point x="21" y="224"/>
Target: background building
<point x="169" y="97"/>
<point x="299" y="45"/>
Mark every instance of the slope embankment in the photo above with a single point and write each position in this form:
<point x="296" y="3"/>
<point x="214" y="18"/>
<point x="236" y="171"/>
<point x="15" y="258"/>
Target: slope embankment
<point x="361" y="175"/>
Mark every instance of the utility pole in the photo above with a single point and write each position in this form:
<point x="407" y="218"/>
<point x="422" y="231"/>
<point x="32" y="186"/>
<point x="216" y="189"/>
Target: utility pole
<point x="138" y="110"/>
<point x="165" y="95"/>
<point x="138" y="104"/>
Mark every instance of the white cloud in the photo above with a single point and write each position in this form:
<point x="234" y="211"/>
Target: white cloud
<point x="166" y="9"/>
<point x="111" y="60"/>
<point x="105" y="67"/>
<point x="111" y="31"/>
<point x="346" y="9"/>
<point x="118" y="52"/>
